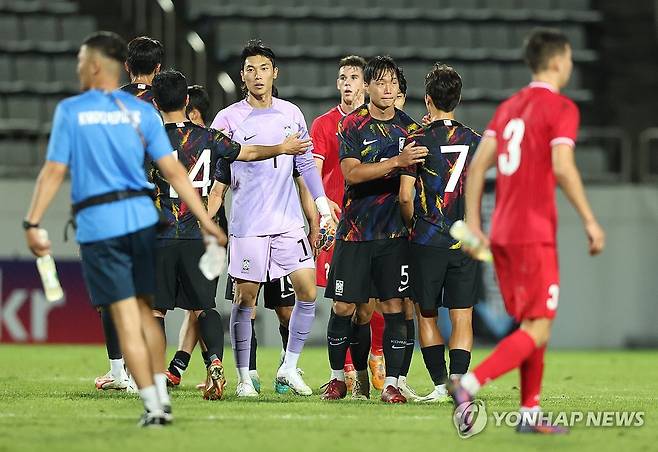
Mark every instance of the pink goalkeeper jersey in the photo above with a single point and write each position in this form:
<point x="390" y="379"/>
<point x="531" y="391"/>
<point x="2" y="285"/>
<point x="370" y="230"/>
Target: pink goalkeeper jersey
<point x="264" y="196"/>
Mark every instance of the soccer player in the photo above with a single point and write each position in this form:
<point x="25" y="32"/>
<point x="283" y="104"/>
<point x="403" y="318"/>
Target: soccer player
<point x="267" y="238"/>
<point x="143" y="63"/>
<point x="179" y="282"/>
<point x="278" y="294"/>
<point x="441" y="275"/>
<point x="531" y="141"/>
<point x="370" y="260"/>
<point x="351" y="87"/>
<point x="197" y="111"/>
<point x="103" y="135"/>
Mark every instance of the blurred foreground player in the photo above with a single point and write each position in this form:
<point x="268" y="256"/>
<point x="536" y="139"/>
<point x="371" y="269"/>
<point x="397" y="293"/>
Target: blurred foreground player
<point x="143" y="61"/>
<point x="351" y="87"/>
<point x="104" y="135"/>
<point x="531" y="139"/>
<point x="441" y="275"/>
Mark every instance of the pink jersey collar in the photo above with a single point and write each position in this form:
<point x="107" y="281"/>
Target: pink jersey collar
<point x="545" y="85"/>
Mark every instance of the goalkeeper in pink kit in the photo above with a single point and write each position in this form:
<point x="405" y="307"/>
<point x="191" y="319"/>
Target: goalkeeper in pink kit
<point x="268" y="240"/>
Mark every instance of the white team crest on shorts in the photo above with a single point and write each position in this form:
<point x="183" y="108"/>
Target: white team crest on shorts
<point x="339" y="287"/>
<point x="246" y="265"/>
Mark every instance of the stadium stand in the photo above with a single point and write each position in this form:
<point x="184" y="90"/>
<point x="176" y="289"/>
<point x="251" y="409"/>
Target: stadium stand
<point x="480" y="38"/>
<point x="38" y="44"/>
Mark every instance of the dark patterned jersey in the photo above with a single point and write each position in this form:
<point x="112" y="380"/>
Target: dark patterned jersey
<point x="198" y="149"/>
<point x="371" y="210"/>
<point x="139" y="90"/>
<point x="440" y="181"/>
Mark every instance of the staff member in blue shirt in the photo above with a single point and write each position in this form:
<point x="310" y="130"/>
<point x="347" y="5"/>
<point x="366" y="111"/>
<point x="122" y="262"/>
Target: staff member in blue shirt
<point x="103" y="135"/>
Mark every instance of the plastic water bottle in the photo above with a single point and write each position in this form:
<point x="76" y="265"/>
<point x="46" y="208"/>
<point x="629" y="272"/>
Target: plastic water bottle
<point x="213" y="261"/>
<point x="48" y="272"/>
<point x="460" y="231"/>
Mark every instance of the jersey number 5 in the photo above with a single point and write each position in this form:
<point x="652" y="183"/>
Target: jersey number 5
<point x="459" y="164"/>
<point x="202" y="165"/>
<point x="509" y="162"/>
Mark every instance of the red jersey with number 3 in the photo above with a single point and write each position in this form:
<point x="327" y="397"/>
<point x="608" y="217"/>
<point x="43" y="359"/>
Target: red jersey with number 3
<point x="526" y="127"/>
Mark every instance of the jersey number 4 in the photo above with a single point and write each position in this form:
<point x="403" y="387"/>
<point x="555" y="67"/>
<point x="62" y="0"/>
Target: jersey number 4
<point x="202" y="166"/>
<point x="508" y="162"/>
<point x="459" y="164"/>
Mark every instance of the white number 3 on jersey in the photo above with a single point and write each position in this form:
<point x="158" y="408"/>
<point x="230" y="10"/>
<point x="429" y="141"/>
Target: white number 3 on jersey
<point x="202" y="165"/>
<point x="508" y="162"/>
<point x="553" y="296"/>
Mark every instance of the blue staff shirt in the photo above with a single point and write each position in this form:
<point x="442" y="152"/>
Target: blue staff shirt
<point x="97" y="140"/>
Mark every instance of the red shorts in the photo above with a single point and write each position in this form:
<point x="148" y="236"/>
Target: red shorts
<point x="529" y="279"/>
<point x="322" y="265"/>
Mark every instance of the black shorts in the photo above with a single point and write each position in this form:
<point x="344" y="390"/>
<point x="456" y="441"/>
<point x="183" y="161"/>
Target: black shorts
<point x="121" y="267"/>
<point x="179" y="282"/>
<point x="276" y="293"/>
<point x="442" y="278"/>
<point x="373" y="269"/>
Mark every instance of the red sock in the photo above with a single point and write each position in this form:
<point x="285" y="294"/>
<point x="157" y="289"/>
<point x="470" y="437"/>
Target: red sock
<point x="377" y="334"/>
<point x="348" y="358"/>
<point x="508" y="355"/>
<point x="532" y="370"/>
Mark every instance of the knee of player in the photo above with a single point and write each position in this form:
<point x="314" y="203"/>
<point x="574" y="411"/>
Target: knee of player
<point x="246" y="297"/>
<point x="538" y="329"/>
<point x="283" y="313"/>
<point x="306" y="293"/>
<point x="363" y="314"/>
<point x="343" y="309"/>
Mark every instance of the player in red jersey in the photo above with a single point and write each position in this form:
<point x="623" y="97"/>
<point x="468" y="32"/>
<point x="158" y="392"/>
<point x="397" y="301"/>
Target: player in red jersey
<point x="531" y="139"/>
<point x="351" y="86"/>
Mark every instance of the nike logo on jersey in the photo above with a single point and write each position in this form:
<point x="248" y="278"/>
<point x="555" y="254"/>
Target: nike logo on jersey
<point x="366" y="143"/>
<point x="402" y="288"/>
<point x="304" y="260"/>
<point x="249" y="138"/>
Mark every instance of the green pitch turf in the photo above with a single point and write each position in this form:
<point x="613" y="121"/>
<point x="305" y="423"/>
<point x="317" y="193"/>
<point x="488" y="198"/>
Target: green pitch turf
<point x="48" y="402"/>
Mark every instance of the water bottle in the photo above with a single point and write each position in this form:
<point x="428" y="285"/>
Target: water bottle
<point x="213" y="261"/>
<point x="48" y="272"/>
<point x="460" y="231"/>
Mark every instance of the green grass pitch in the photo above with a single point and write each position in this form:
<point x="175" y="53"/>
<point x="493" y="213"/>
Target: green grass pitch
<point x="48" y="402"/>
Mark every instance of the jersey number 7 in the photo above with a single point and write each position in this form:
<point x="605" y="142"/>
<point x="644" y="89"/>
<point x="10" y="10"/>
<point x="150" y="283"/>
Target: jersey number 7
<point x="202" y="165"/>
<point x="459" y="164"/>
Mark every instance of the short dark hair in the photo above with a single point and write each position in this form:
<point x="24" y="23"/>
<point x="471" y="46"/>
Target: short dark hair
<point x="378" y="66"/>
<point x="144" y="55"/>
<point x="352" y="61"/>
<point x="169" y="90"/>
<point x="256" y="47"/>
<point x="444" y="86"/>
<point x="402" y="81"/>
<point x="198" y="100"/>
<point x="541" y="45"/>
<point x="108" y="43"/>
